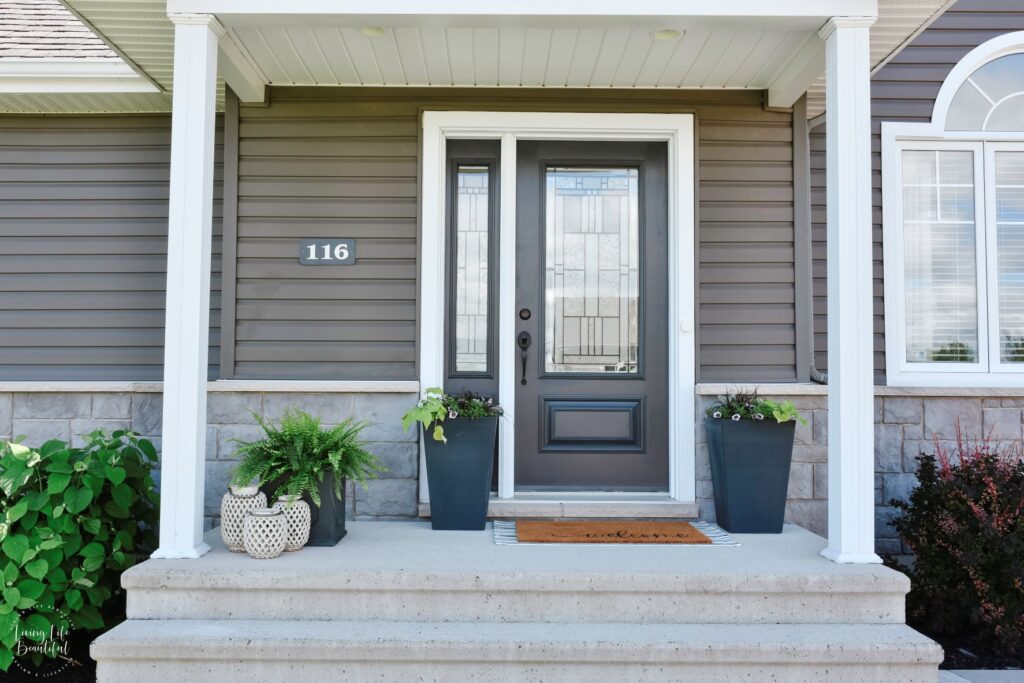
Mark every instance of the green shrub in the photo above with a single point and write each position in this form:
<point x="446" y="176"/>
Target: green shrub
<point x="965" y="526"/>
<point x="301" y="452"/>
<point x="73" y="519"/>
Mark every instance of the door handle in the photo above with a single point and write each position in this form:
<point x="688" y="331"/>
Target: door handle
<point x="524" y="342"/>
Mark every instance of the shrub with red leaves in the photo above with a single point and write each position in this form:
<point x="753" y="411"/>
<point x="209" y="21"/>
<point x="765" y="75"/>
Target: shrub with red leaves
<point x="965" y="526"/>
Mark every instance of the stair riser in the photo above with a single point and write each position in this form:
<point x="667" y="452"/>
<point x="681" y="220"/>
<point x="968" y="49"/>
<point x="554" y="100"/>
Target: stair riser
<point x="214" y="671"/>
<point x="519" y="606"/>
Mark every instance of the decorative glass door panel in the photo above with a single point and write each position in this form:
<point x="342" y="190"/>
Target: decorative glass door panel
<point x="592" y="270"/>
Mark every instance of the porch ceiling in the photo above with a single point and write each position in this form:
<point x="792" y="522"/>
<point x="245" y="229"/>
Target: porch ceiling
<point x="530" y="43"/>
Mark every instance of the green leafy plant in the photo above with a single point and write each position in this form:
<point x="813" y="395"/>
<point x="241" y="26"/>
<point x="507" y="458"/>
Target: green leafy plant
<point x="1013" y="348"/>
<point x="300" y="452"/>
<point x="964" y="524"/>
<point x="436" y="406"/>
<point x="954" y="352"/>
<point x="747" y="405"/>
<point x="73" y="519"/>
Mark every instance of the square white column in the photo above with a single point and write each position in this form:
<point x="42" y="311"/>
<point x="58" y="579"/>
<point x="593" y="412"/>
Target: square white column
<point x="187" y="330"/>
<point x="851" y="422"/>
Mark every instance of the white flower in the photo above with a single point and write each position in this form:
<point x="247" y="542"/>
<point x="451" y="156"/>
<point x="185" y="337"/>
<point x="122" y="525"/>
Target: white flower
<point x="452" y="414"/>
<point x="736" y="417"/>
<point x="758" y="416"/>
<point x="717" y="414"/>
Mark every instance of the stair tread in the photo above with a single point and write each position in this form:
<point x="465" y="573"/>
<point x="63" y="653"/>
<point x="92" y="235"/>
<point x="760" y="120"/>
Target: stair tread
<point x="408" y="556"/>
<point x="290" y="639"/>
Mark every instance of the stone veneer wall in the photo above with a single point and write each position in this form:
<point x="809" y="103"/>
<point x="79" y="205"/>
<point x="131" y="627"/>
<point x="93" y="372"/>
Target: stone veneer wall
<point x="44" y="415"/>
<point x="907" y="423"/>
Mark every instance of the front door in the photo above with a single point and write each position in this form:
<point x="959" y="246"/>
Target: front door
<point x="592" y="316"/>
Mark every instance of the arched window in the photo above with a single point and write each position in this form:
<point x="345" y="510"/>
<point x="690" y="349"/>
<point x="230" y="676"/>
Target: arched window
<point x="953" y="219"/>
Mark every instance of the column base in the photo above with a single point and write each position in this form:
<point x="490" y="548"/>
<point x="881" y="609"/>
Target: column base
<point x="180" y="553"/>
<point x="850" y="558"/>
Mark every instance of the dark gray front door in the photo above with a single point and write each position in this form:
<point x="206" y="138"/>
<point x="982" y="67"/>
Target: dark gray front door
<point x="592" y="316"/>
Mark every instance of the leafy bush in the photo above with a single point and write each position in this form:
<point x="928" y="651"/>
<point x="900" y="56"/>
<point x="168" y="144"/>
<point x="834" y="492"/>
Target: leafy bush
<point x="301" y="452"/>
<point x="965" y="526"/>
<point x="954" y="352"/>
<point x="747" y="405"/>
<point x="72" y="520"/>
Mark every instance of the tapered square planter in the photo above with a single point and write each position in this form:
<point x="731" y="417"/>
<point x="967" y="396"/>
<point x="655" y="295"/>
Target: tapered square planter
<point x="459" y="473"/>
<point x="327" y="524"/>
<point x="750" y="463"/>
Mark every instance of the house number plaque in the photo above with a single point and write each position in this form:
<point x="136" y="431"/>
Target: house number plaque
<point x="336" y="252"/>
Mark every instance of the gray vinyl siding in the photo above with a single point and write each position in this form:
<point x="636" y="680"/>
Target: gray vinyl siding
<point x="343" y="163"/>
<point x="903" y="90"/>
<point x="83" y="247"/>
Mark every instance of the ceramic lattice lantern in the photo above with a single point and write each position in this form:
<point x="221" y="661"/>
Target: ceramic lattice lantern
<point x="235" y="504"/>
<point x="265" y="533"/>
<point x="299" y="517"/>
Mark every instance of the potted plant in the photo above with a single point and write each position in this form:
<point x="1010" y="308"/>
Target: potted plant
<point x="750" y="443"/>
<point x="303" y="459"/>
<point x="460" y="455"/>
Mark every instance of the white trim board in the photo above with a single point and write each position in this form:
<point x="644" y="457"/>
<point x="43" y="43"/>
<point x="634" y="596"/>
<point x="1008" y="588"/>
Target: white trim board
<point x="677" y="130"/>
<point x="70" y="76"/>
<point x="264" y="386"/>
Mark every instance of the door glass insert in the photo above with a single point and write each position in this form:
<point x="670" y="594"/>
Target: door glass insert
<point x="472" y="213"/>
<point x="592" y="270"/>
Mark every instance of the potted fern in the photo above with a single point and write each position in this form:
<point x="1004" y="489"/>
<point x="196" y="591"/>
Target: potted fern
<point x="750" y="444"/>
<point x="302" y="459"/>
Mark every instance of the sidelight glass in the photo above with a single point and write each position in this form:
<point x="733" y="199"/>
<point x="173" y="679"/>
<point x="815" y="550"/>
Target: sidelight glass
<point x="472" y="228"/>
<point x="591" y="270"/>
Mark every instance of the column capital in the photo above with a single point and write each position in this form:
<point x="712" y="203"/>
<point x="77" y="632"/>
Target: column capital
<point x="197" y="19"/>
<point x="844" y="22"/>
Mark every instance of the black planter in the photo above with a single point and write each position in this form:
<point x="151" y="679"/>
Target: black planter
<point x="459" y="473"/>
<point x="750" y="471"/>
<point x="328" y="519"/>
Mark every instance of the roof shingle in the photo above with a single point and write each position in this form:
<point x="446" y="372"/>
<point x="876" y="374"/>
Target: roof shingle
<point x="45" y="29"/>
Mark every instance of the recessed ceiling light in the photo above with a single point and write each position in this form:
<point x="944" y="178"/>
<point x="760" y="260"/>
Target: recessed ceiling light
<point x="373" y="31"/>
<point x="666" y="34"/>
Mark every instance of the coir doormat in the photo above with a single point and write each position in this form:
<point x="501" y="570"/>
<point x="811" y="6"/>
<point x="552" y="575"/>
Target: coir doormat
<point x="608" y="531"/>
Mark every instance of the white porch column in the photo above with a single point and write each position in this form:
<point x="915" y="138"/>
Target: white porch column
<point x="851" y="423"/>
<point x="190" y="219"/>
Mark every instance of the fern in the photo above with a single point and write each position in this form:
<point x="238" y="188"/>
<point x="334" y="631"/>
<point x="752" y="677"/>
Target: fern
<point x="301" y="452"/>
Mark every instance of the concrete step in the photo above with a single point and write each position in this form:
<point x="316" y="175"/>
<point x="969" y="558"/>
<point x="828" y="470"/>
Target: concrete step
<point x="218" y="651"/>
<point x="585" y="505"/>
<point x="405" y="572"/>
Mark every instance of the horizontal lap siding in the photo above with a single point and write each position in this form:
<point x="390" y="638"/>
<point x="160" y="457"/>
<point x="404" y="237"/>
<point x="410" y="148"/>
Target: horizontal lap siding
<point x="343" y="163"/>
<point x="83" y="248"/>
<point x="903" y="90"/>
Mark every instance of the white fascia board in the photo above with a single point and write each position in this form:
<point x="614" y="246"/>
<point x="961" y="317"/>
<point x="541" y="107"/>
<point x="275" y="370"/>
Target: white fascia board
<point x="239" y="71"/>
<point x="532" y="8"/>
<point x="797" y="76"/>
<point x="71" y="76"/>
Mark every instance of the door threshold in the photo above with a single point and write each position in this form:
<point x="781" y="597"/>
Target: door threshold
<point x="577" y="504"/>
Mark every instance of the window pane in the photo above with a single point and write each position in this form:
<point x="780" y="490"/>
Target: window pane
<point x="1009" y="193"/>
<point x="472" y="224"/>
<point x="592" y="270"/>
<point x="992" y="99"/>
<point x="940" y="256"/>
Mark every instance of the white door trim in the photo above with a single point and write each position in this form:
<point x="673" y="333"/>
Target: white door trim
<point x="677" y="130"/>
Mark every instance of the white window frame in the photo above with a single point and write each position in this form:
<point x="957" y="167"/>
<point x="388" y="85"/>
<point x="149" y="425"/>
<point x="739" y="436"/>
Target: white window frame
<point x="988" y="371"/>
<point x="677" y="130"/>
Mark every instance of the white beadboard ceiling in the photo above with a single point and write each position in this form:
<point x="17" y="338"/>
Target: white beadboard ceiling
<point x="524" y="52"/>
<point x="732" y="57"/>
